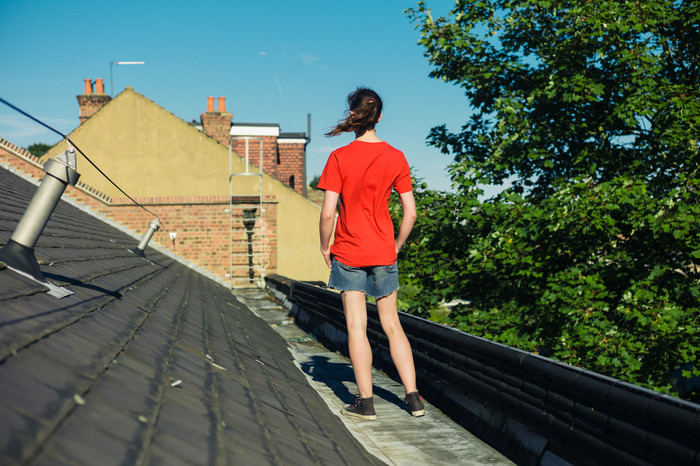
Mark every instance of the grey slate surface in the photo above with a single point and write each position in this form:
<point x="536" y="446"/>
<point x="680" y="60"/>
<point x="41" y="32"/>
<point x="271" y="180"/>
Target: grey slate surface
<point x="87" y="379"/>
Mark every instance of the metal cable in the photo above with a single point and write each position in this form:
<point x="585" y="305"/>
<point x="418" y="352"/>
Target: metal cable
<point x="74" y="145"/>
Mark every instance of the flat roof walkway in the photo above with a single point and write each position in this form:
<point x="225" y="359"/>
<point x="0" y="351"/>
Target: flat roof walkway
<point x="395" y="437"/>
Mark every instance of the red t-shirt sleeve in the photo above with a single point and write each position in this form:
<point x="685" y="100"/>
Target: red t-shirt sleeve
<point x="330" y="177"/>
<point x="403" y="180"/>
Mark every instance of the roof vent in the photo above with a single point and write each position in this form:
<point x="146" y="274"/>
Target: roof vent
<point x="18" y="253"/>
<point x="152" y="228"/>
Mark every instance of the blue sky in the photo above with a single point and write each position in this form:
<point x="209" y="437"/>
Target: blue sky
<point x="274" y="61"/>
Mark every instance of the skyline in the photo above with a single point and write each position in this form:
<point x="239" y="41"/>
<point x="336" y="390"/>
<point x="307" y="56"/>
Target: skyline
<point x="274" y="62"/>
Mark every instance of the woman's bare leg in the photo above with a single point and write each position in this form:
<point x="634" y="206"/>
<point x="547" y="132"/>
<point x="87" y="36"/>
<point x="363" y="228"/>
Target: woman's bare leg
<point x="398" y="343"/>
<point x="355" y="305"/>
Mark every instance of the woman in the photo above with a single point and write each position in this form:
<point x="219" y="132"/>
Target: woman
<point x="363" y="256"/>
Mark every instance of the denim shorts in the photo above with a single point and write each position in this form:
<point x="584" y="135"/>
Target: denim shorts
<point x="377" y="281"/>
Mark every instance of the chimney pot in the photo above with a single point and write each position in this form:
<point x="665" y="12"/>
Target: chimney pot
<point x="217" y="124"/>
<point x="91" y="102"/>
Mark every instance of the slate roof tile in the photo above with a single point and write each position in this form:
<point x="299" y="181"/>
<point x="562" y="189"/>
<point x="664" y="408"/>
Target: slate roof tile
<point x="86" y="379"/>
<point x="14" y="285"/>
<point x="108" y="390"/>
<point x="188" y="450"/>
<point x="30" y="396"/>
<point x="33" y="364"/>
<point x="188" y="416"/>
<point x="78" y="441"/>
<point x="17" y="432"/>
<point x="75" y="352"/>
<point x="167" y="455"/>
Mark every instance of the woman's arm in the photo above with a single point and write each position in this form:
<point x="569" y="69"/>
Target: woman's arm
<point x="408" y="204"/>
<point x="325" y="227"/>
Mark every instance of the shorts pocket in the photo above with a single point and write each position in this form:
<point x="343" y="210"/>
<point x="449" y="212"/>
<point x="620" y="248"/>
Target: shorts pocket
<point x="391" y="268"/>
<point x="346" y="267"/>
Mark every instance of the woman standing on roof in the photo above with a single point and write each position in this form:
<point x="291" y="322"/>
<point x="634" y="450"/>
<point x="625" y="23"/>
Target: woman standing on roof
<point x="363" y="256"/>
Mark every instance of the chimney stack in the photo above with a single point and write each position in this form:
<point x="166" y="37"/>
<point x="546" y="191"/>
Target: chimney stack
<point x="217" y="123"/>
<point x="90" y="102"/>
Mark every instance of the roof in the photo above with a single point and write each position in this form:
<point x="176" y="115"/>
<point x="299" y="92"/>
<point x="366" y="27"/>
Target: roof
<point x="149" y="152"/>
<point x="292" y="136"/>
<point x="147" y="361"/>
<point x="263" y="129"/>
<point x="255" y="129"/>
<point x="262" y="125"/>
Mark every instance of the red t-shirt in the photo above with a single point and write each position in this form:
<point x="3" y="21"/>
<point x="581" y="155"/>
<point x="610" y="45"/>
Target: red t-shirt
<point x="364" y="174"/>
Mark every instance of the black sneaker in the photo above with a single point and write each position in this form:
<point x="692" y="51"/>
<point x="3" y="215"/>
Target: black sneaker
<point x="362" y="408"/>
<point x="415" y="404"/>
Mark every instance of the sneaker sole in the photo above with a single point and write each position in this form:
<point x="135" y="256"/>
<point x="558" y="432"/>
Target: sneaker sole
<point x="365" y="417"/>
<point x="418" y="413"/>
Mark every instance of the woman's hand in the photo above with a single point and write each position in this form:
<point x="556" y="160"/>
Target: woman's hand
<point x="327" y="256"/>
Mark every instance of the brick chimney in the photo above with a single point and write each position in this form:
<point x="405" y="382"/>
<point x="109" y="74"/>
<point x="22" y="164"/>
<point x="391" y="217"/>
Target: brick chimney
<point x="217" y="123"/>
<point x="90" y="102"/>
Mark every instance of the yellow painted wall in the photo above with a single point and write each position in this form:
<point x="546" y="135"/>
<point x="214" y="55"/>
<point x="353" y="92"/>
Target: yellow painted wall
<point x="149" y="152"/>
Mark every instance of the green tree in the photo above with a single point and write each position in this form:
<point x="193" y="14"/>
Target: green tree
<point x="592" y="110"/>
<point x="314" y="182"/>
<point x="571" y="88"/>
<point x="38" y="149"/>
<point x="427" y="275"/>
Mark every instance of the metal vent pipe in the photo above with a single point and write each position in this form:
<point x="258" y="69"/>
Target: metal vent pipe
<point x="18" y="253"/>
<point x="152" y="228"/>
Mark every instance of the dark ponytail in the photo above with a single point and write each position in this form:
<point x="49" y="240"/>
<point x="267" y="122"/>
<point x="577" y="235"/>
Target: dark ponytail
<point x="364" y="111"/>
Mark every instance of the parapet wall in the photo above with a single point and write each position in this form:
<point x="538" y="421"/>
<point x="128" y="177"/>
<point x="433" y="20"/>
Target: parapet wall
<point x="532" y="409"/>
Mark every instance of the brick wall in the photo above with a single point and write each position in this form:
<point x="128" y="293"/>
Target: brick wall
<point x="292" y="168"/>
<point x="206" y="231"/>
<point x="270" y="153"/>
<point x="283" y="155"/>
<point x="285" y="161"/>
<point x="204" y="225"/>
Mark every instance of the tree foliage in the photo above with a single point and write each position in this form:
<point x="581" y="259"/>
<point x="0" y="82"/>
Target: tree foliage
<point x="592" y="111"/>
<point x="314" y="181"/>
<point x="38" y="149"/>
<point x="564" y="89"/>
<point x="427" y="271"/>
